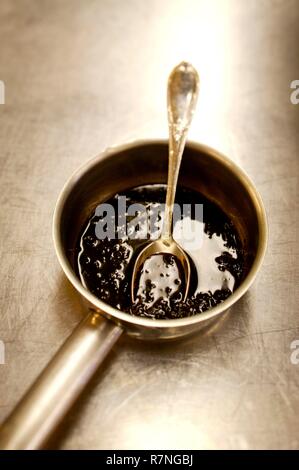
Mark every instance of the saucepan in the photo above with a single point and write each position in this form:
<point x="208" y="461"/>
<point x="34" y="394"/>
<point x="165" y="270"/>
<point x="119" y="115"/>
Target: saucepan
<point x="117" y="169"/>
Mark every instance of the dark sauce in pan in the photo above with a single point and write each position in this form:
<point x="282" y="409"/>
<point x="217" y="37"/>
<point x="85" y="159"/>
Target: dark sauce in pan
<point x="217" y="263"/>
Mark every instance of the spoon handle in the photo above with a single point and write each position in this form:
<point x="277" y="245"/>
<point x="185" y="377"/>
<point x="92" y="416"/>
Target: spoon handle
<point x="182" y="92"/>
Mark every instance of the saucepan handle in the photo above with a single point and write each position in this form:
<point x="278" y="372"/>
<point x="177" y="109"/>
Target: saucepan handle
<point x="56" y="389"/>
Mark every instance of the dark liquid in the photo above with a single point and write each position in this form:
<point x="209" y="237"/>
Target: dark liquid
<point x="105" y="265"/>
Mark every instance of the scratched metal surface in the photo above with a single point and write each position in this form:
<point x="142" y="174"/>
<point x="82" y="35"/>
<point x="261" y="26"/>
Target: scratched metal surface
<point x="82" y="75"/>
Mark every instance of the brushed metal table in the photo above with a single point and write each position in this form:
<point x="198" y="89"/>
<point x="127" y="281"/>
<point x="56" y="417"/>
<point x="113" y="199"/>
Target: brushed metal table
<point x="83" y="75"/>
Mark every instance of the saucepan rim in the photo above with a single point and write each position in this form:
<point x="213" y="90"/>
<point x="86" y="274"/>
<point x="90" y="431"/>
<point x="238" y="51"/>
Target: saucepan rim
<point x="126" y="318"/>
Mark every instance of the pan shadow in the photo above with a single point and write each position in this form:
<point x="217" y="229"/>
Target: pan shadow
<point x="67" y="303"/>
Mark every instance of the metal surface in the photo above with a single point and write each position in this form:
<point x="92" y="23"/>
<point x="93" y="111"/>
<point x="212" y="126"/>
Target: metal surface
<point x="235" y="387"/>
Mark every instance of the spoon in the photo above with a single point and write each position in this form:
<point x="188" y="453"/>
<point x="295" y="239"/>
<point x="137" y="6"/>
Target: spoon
<point x="182" y="92"/>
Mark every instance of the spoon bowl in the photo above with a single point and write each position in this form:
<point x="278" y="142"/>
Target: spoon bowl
<point x="158" y="247"/>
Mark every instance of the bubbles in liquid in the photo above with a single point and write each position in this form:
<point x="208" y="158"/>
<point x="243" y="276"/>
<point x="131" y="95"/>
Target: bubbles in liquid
<point x="215" y="252"/>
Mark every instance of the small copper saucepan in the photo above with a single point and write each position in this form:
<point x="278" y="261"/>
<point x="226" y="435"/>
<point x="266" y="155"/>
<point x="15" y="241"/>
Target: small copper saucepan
<point x="118" y="169"/>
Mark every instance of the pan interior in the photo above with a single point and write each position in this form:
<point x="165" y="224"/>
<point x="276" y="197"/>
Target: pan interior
<point x="148" y="164"/>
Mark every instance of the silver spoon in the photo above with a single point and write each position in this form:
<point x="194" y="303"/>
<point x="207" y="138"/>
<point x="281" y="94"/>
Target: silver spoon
<point x="182" y="92"/>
